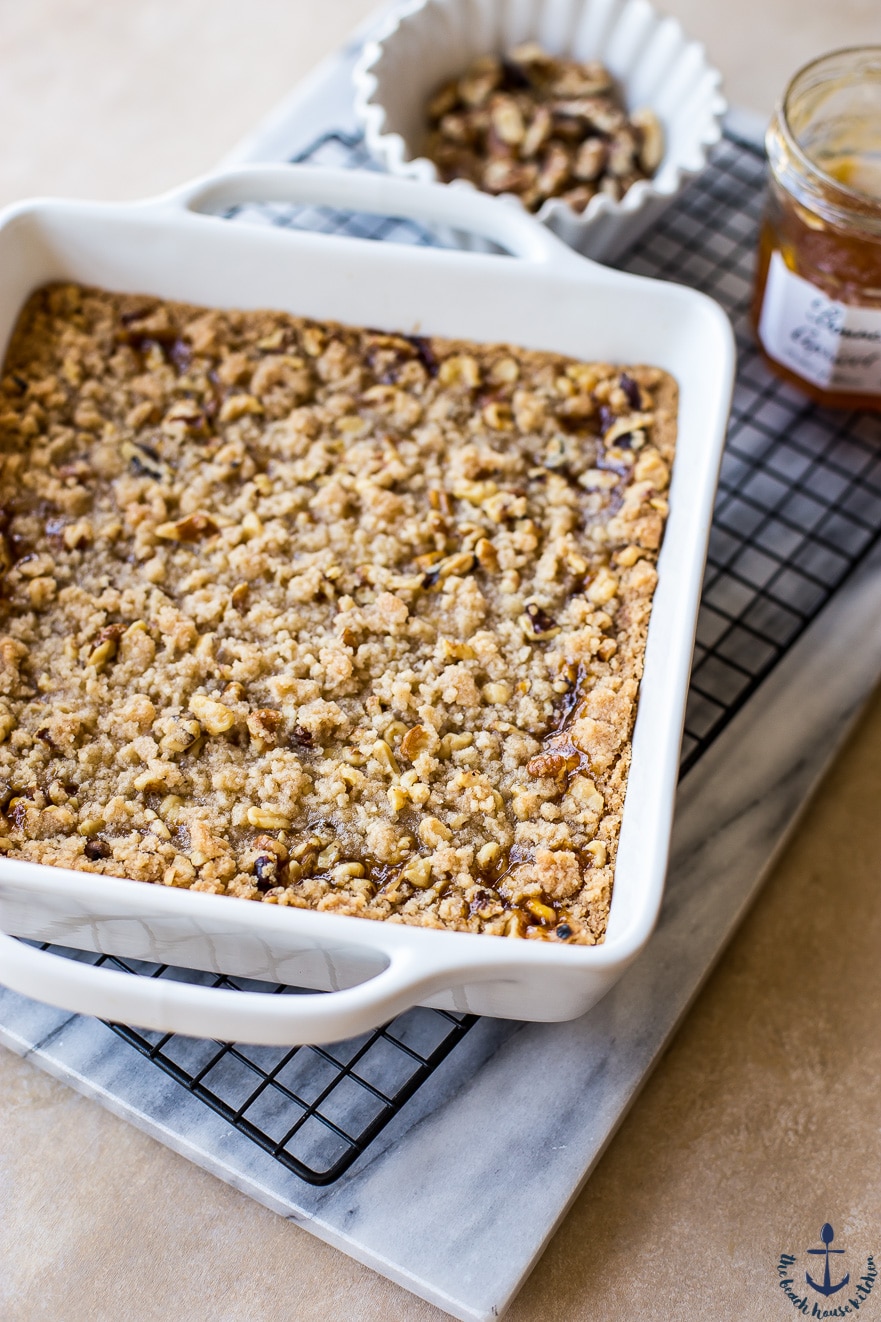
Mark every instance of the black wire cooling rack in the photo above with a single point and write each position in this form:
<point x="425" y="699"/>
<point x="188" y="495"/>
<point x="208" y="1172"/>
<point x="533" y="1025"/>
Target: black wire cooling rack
<point x="799" y="501"/>
<point x="799" y="506"/>
<point x="316" y="1108"/>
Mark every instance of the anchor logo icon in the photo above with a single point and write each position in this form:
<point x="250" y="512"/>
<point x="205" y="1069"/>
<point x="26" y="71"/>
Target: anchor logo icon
<point x="827" y="1234"/>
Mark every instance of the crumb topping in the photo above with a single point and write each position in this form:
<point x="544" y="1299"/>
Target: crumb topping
<point x="322" y="616"/>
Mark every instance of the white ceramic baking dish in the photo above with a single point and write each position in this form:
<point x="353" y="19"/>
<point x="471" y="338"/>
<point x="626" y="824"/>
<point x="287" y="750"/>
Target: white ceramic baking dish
<point x="541" y="296"/>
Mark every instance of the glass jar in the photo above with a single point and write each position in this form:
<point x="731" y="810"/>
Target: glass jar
<point x="817" y="308"/>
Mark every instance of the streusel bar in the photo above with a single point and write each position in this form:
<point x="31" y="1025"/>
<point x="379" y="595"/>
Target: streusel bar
<point x="323" y="616"/>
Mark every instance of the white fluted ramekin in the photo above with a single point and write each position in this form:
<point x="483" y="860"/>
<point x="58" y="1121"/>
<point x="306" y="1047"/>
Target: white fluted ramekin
<point x="427" y="42"/>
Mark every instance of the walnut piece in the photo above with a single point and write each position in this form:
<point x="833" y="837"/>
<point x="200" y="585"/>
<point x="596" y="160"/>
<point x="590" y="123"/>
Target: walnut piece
<point x="539" y="127"/>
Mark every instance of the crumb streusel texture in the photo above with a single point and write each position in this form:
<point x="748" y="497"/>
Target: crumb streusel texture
<point x="323" y="616"/>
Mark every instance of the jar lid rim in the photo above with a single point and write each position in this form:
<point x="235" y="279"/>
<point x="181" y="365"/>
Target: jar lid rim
<point x="846" y="192"/>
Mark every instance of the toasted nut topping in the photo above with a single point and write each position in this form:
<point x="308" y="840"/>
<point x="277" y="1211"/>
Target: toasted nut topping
<point x="413" y="742"/>
<point x="536" y="623"/>
<point x="651" y="468"/>
<point x="590" y="160"/>
<point x="144" y="460"/>
<point x="543" y="912"/>
<point x="628" y="556"/>
<point x="191" y="529"/>
<point x="499" y="416"/>
<point x="554" y="763"/>
<point x="460" y="564"/>
<point x="651" y="135"/>
<point x="443" y="101"/>
<point x="504" y="505"/>
<point x="455" y="743"/>
<point x="272" y="845"/>
<point x="556" y="454"/>
<point x="180" y="873"/>
<point x="386" y="757"/>
<point x="181" y="737"/>
<point x="267" y="820"/>
<point x="432" y="832"/>
<point x="516" y="924"/>
<point x="460" y="370"/>
<point x="329" y="855"/>
<point x="238" y="406"/>
<point x="597" y="851"/>
<point x="603" y="588"/>
<point x="429" y="560"/>
<point x="398" y="798"/>
<point x="158" y="775"/>
<point x="504" y="372"/>
<point x="488" y="854"/>
<point x="598" y="479"/>
<point x="90" y="826"/>
<point x="103" y="653"/>
<point x="533" y="126"/>
<point x="507" y="120"/>
<point x="417" y="872"/>
<point x="343" y="872"/>
<point x="538" y="133"/>
<point x="486" y="556"/>
<point x="216" y="717"/>
<point x="483" y="77"/>
<point x="263" y="725"/>
<point x="458" y="651"/>
<point x="624" y="426"/>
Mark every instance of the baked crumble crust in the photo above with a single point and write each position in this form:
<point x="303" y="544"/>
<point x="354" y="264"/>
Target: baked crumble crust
<point x="323" y="616"/>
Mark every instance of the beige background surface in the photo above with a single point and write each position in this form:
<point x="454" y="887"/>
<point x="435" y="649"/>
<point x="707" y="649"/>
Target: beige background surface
<point x="761" y="1122"/>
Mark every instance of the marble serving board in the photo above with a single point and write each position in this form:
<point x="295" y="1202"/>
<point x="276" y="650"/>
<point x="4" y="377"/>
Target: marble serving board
<point x="458" y="1197"/>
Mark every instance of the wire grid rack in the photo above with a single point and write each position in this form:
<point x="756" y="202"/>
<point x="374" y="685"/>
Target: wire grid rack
<point x="799" y="506"/>
<point x="799" y="502"/>
<point x="315" y="1109"/>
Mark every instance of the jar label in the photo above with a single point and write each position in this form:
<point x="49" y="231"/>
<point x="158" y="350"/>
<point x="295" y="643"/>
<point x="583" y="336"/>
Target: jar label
<point x="833" y="345"/>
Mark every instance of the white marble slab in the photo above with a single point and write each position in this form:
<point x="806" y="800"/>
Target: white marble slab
<point x="456" y="1200"/>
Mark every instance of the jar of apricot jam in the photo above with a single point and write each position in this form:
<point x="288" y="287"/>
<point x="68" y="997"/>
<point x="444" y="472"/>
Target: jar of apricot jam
<point x="817" y="307"/>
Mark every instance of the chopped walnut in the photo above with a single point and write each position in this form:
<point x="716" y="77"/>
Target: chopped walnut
<point x="540" y="127"/>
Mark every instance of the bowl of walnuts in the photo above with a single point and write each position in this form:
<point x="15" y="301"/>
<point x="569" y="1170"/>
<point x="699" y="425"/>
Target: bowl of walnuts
<point x="591" y="114"/>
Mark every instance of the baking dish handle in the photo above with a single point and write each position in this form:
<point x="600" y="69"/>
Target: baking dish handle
<point x="262" y="1018"/>
<point x="500" y="220"/>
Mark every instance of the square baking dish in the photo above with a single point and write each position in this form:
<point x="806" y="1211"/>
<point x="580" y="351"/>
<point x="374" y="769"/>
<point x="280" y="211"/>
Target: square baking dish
<point x="538" y="295"/>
